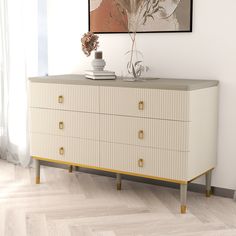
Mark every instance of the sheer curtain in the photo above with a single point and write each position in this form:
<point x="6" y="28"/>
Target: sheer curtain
<point x="18" y="60"/>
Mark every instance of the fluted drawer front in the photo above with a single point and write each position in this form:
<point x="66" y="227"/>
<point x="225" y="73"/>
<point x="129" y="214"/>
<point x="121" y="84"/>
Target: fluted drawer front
<point x="65" y="149"/>
<point x="65" y="123"/>
<point x="166" y="134"/>
<point x="152" y="103"/>
<point x="65" y="97"/>
<point x="145" y="161"/>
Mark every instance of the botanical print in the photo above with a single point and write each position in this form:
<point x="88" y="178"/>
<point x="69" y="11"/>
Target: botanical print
<point x="140" y="15"/>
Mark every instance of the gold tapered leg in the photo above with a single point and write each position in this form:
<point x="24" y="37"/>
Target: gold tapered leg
<point x="37" y="179"/>
<point x="37" y="171"/>
<point x="70" y="169"/>
<point x="183" y="198"/>
<point x="183" y="209"/>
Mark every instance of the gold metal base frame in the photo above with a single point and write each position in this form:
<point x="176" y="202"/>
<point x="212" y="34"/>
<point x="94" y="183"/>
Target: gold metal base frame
<point x="112" y="171"/>
<point x="183" y="208"/>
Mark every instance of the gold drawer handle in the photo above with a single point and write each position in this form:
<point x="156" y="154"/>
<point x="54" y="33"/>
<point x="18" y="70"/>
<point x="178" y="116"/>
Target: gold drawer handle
<point x="61" y="151"/>
<point x="140" y="162"/>
<point x="140" y="134"/>
<point x="141" y="105"/>
<point x="60" y="99"/>
<point x="61" y="125"/>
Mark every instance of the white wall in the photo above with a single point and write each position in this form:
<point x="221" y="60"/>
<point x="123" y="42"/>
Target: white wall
<point x="207" y="53"/>
<point x="42" y="38"/>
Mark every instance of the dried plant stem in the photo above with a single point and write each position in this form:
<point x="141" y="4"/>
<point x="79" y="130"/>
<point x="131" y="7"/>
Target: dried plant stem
<point x="133" y="66"/>
<point x="132" y="48"/>
<point x="133" y="35"/>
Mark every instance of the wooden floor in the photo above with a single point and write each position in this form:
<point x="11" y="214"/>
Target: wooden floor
<point x="80" y="204"/>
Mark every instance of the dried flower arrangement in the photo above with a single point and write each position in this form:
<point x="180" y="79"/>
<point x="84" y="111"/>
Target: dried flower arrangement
<point x="89" y="43"/>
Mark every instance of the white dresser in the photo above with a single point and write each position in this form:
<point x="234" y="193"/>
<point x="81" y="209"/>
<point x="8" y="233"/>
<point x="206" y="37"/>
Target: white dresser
<point x="163" y="129"/>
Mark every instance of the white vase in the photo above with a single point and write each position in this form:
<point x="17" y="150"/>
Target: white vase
<point x="98" y="64"/>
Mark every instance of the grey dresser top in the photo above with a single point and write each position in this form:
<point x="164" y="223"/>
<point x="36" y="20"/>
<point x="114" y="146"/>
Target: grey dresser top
<point x="152" y="83"/>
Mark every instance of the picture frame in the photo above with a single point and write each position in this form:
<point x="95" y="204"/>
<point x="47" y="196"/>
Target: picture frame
<point x="114" y="16"/>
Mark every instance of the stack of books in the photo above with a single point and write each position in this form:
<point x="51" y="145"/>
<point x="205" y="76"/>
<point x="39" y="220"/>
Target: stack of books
<point x="103" y="74"/>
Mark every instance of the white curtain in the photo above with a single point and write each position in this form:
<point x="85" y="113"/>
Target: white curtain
<point x="18" y="60"/>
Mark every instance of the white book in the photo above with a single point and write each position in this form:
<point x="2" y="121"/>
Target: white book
<point x="100" y="73"/>
<point x="97" y="77"/>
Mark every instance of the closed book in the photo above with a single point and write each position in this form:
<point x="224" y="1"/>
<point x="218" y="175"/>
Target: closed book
<point x="100" y="77"/>
<point x="100" y="73"/>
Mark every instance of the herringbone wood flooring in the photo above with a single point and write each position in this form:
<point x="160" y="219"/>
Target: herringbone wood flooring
<point x="80" y="204"/>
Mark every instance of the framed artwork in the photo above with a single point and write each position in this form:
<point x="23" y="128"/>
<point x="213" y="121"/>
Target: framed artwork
<point x="142" y="16"/>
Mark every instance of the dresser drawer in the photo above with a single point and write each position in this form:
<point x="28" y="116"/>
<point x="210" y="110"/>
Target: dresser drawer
<point x="145" y="161"/>
<point x="166" y="134"/>
<point x="152" y="103"/>
<point x="65" y="97"/>
<point x="65" y="123"/>
<point x="64" y="149"/>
